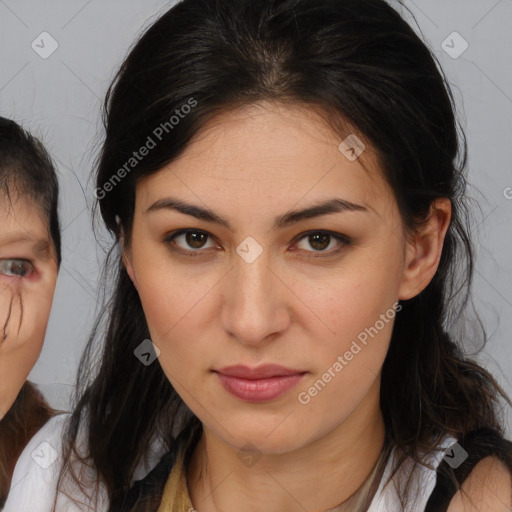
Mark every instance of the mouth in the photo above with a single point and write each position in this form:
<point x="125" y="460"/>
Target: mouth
<point x="260" y="384"/>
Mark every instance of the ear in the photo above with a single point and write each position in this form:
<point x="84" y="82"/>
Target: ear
<point x="424" y="249"/>
<point x="126" y="255"/>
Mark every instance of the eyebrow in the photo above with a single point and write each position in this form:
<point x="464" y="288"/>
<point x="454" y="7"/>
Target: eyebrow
<point x="334" y="205"/>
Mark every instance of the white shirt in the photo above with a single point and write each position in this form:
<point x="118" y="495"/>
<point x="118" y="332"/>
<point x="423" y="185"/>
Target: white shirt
<point x="35" y="477"/>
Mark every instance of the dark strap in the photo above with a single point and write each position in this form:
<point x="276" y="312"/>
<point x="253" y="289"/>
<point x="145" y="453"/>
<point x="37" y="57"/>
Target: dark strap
<point x="478" y="444"/>
<point x="145" y="495"/>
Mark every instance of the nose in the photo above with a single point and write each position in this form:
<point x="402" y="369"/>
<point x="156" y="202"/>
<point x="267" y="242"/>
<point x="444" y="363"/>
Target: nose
<point x="255" y="308"/>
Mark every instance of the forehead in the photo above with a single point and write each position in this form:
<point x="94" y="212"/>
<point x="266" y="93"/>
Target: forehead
<point x="21" y="218"/>
<point x="279" y="150"/>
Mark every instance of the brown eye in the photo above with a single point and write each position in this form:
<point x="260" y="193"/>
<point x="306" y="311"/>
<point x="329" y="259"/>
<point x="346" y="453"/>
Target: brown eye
<point x="191" y="239"/>
<point x="16" y="268"/>
<point x="195" y="239"/>
<point x="321" y="240"/>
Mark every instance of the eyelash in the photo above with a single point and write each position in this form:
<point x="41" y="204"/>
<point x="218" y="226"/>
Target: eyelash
<point x="344" y="240"/>
<point x="4" y="264"/>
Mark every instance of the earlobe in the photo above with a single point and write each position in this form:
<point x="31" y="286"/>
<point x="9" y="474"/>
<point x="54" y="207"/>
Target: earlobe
<point x="424" y="249"/>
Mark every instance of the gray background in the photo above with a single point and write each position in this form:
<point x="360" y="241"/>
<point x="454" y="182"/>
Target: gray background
<point x="58" y="98"/>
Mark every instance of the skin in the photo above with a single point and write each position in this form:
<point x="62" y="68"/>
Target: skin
<point x="286" y="307"/>
<point x="487" y="488"/>
<point x="26" y="292"/>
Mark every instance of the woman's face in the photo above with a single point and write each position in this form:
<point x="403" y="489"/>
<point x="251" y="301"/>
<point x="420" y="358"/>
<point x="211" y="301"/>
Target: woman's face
<point x="28" y="273"/>
<point x="254" y="284"/>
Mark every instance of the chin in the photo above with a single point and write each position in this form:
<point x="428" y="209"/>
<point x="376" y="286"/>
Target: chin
<point x="265" y="438"/>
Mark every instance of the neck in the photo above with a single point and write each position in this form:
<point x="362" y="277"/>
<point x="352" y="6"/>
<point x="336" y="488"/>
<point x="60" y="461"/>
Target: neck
<point x="316" y="476"/>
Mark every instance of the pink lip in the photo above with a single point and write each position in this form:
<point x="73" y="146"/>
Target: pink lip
<point x="258" y="384"/>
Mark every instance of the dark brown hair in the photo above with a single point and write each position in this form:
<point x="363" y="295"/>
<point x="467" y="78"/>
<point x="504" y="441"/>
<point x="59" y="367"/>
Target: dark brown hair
<point x="27" y="169"/>
<point x="358" y="62"/>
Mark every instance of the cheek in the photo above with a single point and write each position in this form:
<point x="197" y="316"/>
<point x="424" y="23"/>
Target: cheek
<point x="354" y="316"/>
<point x="25" y="328"/>
<point x="174" y="310"/>
<point x="345" y="363"/>
<point x="172" y="301"/>
<point x="353" y="299"/>
<point x="359" y="321"/>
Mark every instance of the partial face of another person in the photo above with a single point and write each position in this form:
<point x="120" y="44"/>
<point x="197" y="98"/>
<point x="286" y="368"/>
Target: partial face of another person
<point x="254" y="284"/>
<point x="28" y="274"/>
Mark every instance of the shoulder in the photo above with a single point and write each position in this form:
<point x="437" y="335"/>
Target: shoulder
<point x="407" y="484"/>
<point x="36" y="469"/>
<point x="487" y="488"/>
<point x="36" y="476"/>
<point x="475" y="474"/>
<point x="26" y="416"/>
